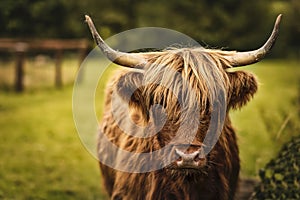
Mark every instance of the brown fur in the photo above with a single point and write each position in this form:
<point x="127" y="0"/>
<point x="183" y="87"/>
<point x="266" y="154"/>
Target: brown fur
<point x="206" y="73"/>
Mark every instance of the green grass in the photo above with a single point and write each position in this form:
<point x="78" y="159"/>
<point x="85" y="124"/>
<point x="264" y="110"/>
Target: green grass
<point x="42" y="156"/>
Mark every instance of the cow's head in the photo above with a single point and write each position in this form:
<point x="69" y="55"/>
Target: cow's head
<point x="185" y="82"/>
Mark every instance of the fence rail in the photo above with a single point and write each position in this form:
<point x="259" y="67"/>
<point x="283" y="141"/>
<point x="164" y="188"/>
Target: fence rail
<point x="21" y="46"/>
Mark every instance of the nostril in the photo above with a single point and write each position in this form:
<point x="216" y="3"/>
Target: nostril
<point x="179" y="155"/>
<point x="199" y="157"/>
<point x="179" y="159"/>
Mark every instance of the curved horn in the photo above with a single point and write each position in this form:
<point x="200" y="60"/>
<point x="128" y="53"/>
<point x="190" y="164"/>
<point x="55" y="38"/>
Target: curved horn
<point x="250" y="57"/>
<point x="120" y="58"/>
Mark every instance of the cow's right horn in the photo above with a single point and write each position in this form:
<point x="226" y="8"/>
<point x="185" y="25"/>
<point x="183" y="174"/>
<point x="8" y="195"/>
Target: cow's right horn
<point x="125" y="59"/>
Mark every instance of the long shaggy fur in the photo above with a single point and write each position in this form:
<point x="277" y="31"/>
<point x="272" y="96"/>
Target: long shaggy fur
<point x="188" y="80"/>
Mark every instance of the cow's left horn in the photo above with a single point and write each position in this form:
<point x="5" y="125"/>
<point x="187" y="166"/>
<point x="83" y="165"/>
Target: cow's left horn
<point x="120" y="58"/>
<point x="250" y="57"/>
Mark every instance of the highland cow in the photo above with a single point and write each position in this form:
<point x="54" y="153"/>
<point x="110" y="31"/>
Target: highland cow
<point x="177" y="115"/>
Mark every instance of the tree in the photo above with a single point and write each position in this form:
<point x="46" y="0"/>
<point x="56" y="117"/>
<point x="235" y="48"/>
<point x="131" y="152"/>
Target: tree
<point x="38" y="18"/>
<point x="231" y="23"/>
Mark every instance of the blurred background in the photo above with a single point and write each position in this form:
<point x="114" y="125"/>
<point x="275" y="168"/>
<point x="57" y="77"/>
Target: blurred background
<point x="230" y="23"/>
<point x="42" y="44"/>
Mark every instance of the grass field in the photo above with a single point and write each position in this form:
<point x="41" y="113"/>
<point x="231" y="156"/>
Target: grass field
<point x="42" y="156"/>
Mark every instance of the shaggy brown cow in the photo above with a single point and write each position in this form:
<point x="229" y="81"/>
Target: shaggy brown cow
<point x="188" y="84"/>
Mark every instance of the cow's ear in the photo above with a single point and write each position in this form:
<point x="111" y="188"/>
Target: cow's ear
<point x="129" y="88"/>
<point x="243" y="85"/>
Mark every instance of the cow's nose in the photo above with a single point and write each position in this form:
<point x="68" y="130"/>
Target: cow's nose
<point x="189" y="160"/>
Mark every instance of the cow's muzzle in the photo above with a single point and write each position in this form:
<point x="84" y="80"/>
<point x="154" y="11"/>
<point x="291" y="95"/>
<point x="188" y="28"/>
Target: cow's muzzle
<point x="192" y="158"/>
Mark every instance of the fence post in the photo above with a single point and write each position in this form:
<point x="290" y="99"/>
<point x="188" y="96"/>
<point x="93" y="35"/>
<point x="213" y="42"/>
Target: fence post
<point x="58" y="70"/>
<point x="20" y="49"/>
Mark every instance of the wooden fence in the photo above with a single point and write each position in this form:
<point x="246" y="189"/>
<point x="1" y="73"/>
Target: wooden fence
<point x="20" y="47"/>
